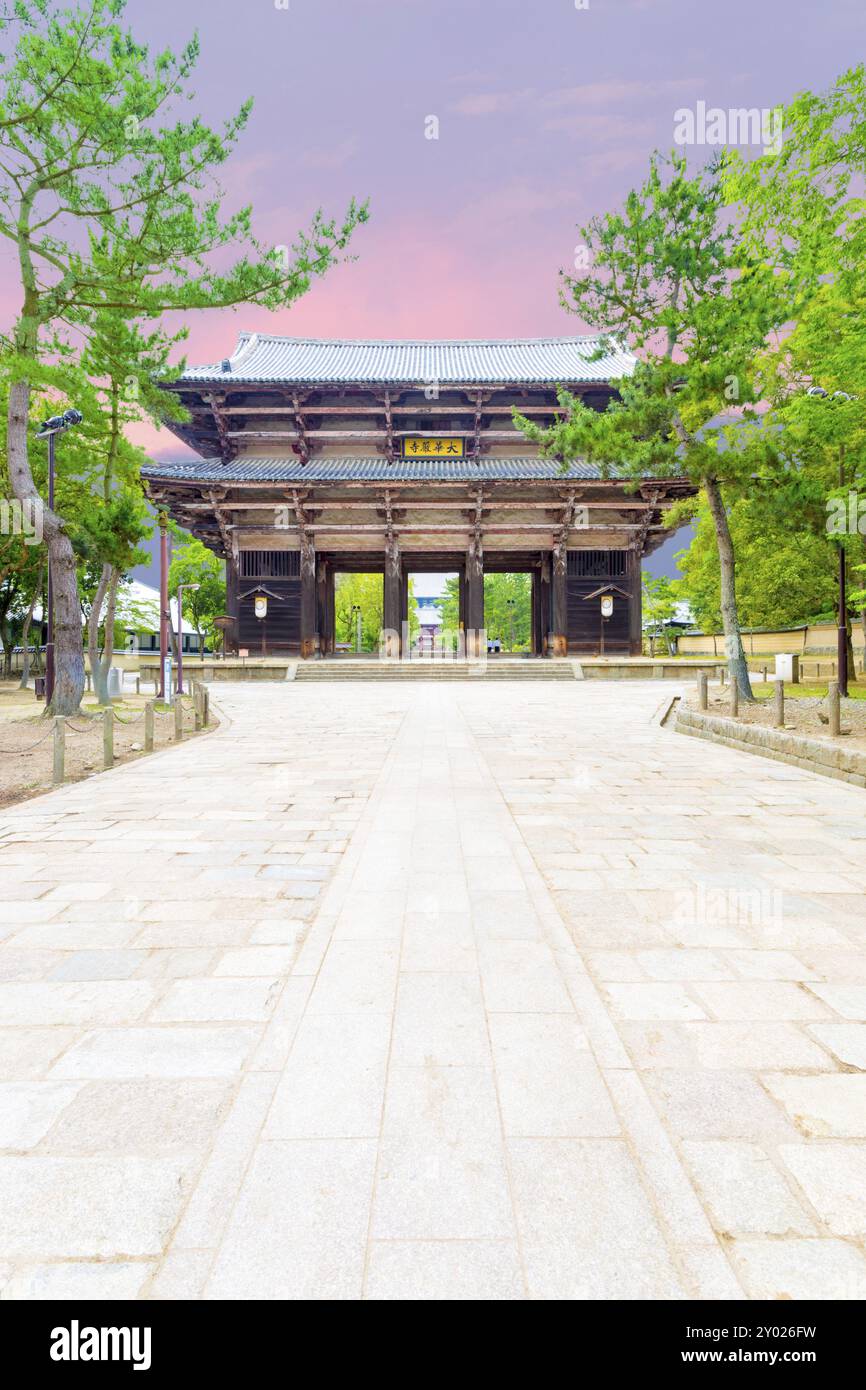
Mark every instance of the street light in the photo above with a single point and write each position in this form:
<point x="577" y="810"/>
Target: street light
<point x="180" y="589"/>
<point x="356" y="615"/>
<point x="57" y="424"/>
<point x="842" y="616"/>
<point x="510" y="602"/>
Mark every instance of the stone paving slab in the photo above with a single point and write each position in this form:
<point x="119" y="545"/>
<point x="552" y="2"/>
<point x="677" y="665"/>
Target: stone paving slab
<point x="435" y="991"/>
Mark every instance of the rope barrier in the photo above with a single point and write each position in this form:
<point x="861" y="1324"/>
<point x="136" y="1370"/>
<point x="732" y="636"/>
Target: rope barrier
<point x="95" y="723"/>
<point x="30" y="746"/>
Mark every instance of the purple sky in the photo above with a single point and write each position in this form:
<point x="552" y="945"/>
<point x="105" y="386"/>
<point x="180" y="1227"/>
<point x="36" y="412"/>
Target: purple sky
<point x="547" y="115"/>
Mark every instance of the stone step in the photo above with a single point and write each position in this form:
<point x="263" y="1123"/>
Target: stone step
<point x="433" y="671"/>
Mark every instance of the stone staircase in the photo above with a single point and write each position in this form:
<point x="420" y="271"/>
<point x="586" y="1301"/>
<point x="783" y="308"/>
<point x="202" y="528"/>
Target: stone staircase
<point x="498" y="668"/>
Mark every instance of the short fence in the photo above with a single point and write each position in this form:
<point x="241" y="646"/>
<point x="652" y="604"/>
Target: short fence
<point x="831" y="702"/>
<point x="174" y="719"/>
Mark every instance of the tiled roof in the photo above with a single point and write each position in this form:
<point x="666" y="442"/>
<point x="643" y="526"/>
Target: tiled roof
<point x="260" y="357"/>
<point x="335" y="470"/>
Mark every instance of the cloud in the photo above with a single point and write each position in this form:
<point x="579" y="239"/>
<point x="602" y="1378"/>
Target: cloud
<point x="331" y="156"/>
<point x="491" y="103"/>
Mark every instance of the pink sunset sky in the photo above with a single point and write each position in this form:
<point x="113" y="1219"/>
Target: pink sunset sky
<point x="547" y="115"/>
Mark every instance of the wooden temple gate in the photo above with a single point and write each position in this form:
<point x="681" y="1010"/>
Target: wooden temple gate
<point x="439" y="479"/>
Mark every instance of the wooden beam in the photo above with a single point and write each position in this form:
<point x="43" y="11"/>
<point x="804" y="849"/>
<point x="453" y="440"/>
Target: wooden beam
<point x="227" y="448"/>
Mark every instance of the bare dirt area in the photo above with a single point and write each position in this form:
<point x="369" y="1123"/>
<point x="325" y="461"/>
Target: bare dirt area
<point x="27" y="739"/>
<point x="802" y="713"/>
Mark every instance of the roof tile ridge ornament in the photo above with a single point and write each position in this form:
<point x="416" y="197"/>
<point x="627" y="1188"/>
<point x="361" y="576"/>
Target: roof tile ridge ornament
<point x="242" y="349"/>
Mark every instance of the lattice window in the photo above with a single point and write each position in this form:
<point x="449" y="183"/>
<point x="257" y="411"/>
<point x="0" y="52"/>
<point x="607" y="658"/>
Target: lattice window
<point x="597" y="564"/>
<point x="270" y="564"/>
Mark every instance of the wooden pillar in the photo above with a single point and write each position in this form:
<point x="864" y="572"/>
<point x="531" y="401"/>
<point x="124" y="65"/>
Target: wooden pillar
<point x="309" y="614"/>
<point x="635" y="613"/>
<point x="558" y="602"/>
<point x="323" y="612"/>
<point x="476" y="639"/>
<point x="543" y="602"/>
<point x="231" y="640"/>
<point x="392" y="600"/>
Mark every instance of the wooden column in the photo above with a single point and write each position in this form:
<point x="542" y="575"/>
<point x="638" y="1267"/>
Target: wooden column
<point x="323" y="625"/>
<point x="543" y="602"/>
<point x="392" y="600"/>
<point x="309" y="614"/>
<point x="635" y="603"/>
<point x="232" y="635"/>
<point x="474" y="600"/>
<point x="558" y="602"/>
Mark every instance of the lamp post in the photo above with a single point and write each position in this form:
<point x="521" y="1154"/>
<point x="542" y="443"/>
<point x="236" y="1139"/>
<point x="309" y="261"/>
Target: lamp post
<point x="164" y="611"/>
<point x="58" y="424"/>
<point x="356" y="617"/>
<point x="180" y="589"/>
<point x="510" y="602"/>
<point x="842" y="616"/>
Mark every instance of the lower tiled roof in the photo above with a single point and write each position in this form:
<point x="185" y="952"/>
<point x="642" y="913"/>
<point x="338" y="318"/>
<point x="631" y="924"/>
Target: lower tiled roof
<point x="335" y="470"/>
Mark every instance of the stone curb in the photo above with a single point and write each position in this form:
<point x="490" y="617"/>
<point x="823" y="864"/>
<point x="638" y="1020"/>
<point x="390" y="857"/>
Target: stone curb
<point x="829" y="759"/>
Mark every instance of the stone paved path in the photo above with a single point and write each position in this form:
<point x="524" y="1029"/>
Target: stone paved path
<point x="487" y="991"/>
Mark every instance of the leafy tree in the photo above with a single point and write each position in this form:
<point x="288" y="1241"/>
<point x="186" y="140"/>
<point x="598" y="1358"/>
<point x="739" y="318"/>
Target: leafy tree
<point x="367" y="592"/>
<point x="110" y="205"/>
<point x="669" y="277"/>
<point x="806" y="220"/>
<point x="786" y="573"/>
<point x="193" y="563"/>
<point x="659" y="606"/>
<point x="507" y="608"/>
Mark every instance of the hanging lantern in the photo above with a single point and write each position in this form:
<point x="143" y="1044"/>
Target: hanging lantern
<point x="261" y="606"/>
<point x="607" y="605"/>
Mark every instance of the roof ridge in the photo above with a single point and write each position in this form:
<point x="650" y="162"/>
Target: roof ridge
<point x="244" y="337"/>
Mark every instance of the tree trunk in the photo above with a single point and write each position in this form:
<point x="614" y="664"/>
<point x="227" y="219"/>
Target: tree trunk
<point x="25" y="632"/>
<point x="68" y="647"/>
<point x="108" y="644"/>
<point x="737" y="665"/>
<point x="93" y="622"/>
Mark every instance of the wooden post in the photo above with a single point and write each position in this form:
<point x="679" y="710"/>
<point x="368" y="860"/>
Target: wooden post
<point x="148" y="727"/>
<point x="205" y="714"/>
<point x="765" y="675"/>
<point x="735" y="699"/>
<point x="138" y="685"/>
<point x="59" y="749"/>
<point x="108" y="738"/>
<point x="392" y="600"/>
<point x="196" y="705"/>
<point x="178" y="719"/>
<point x="309" y="598"/>
<point x="779" y="705"/>
<point x="474" y="602"/>
<point x="702" y="689"/>
<point x="559" y="605"/>
<point x="833" y="708"/>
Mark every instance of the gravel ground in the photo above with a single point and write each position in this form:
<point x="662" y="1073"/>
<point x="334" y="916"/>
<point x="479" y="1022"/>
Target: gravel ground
<point x="802" y="715"/>
<point x="27" y="745"/>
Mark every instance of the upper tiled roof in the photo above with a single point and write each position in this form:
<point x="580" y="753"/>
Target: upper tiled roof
<point x="335" y="470"/>
<point x="260" y="357"/>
